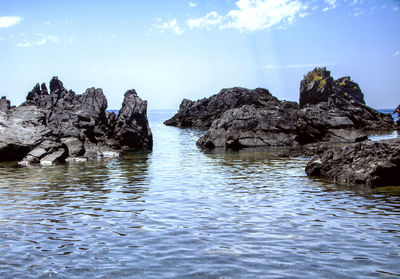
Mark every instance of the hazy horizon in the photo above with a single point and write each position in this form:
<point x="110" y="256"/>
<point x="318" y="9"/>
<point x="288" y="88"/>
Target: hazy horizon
<point x="170" y="50"/>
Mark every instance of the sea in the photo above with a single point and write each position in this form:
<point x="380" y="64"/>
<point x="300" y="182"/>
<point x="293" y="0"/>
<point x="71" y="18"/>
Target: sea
<point x="179" y="212"/>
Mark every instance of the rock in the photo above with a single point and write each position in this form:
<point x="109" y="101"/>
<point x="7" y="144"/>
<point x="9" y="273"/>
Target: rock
<point x="4" y="104"/>
<point x="73" y="123"/>
<point x="56" y="85"/>
<point x="318" y="85"/>
<point x="75" y="146"/>
<point x="96" y="151"/>
<point x="339" y="119"/>
<point x="55" y="157"/>
<point x="238" y="117"/>
<point x="202" y="113"/>
<point x="48" y="152"/>
<point x="21" y="130"/>
<point x="373" y="163"/>
<point x="305" y="150"/>
<point x="132" y="127"/>
<point x="248" y="126"/>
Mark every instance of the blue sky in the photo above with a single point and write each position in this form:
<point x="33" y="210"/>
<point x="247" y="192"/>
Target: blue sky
<point x="169" y="50"/>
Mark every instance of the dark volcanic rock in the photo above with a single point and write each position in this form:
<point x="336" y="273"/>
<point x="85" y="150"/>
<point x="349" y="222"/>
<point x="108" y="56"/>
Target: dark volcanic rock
<point x="371" y="163"/>
<point x="50" y="128"/>
<point x="339" y="119"/>
<point x="240" y="117"/>
<point x="318" y="85"/>
<point x="202" y="113"/>
<point x="4" y="104"/>
<point x="132" y="127"/>
<point x="274" y="124"/>
<point x="21" y="130"/>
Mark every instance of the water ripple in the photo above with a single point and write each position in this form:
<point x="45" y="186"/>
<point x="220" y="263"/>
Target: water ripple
<point x="181" y="213"/>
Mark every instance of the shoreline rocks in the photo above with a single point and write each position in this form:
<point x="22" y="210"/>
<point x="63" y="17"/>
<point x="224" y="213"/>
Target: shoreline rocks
<point x="331" y="123"/>
<point x="202" y="113"/>
<point x="329" y="111"/>
<point x="372" y="163"/>
<point x="61" y="126"/>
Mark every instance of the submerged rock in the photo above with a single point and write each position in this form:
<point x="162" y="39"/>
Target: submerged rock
<point x="50" y="127"/>
<point x="374" y="163"/>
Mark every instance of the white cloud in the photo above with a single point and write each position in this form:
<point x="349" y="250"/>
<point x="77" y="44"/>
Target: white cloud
<point x="253" y="15"/>
<point x="332" y="2"/>
<point x="171" y="25"/>
<point x="396" y="53"/>
<point x="8" y="21"/>
<point x="273" y="67"/>
<point x="210" y="19"/>
<point x="41" y="40"/>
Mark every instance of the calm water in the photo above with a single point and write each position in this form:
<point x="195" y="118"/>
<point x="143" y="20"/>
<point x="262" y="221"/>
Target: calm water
<point x="181" y="213"/>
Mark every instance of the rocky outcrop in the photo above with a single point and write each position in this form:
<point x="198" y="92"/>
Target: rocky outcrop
<point x="202" y="113"/>
<point x="339" y="119"/>
<point x="274" y="124"/>
<point x="330" y="111"/>
<point x="318" y="85"/>
<point x="132" y="127"/>
<point x="61" y="125"/>
<point x="4" y="104"/>
<point x="373" y="163"/>
<point x="334" y="110"/>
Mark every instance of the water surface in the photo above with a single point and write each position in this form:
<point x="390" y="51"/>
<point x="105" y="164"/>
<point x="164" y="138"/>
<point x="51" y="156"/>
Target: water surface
<point x="180" y="213"/>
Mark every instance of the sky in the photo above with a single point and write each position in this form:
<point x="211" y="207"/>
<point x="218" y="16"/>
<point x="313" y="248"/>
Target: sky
<point x="168" y="50"/>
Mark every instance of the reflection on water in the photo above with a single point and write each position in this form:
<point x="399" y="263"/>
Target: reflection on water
<point x="384" y="135"/>
<point x="181" y="213"/>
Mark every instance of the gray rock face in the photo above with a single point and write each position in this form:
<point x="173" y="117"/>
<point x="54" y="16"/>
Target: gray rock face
<point x="371" y="163"/>
<point x="132" y="127"/>
<point x="248" y="126"/>
<point x="21" y="130"/>
<point x="202" y="113"/>
<point x="49" y="128"/>
<point x="339" y="119"/>
<point x="4" y="104"/>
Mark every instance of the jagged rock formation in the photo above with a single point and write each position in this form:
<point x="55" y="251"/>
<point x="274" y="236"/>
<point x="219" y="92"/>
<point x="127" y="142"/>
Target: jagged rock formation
<point x="202" y="113"/>
<point x="61" y="125"/>
<point x="131" y="125"/>
<point x="330" y="111"/>
<point x="318" y="85"/>
<point x="373" y="163"/>
<point x="273" y="124"/>
<point x="4" y="104"/>
<point x="334" y="110"/>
